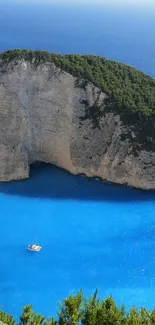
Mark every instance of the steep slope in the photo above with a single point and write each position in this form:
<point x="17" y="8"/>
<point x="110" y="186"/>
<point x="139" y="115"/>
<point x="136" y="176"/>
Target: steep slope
<point x="99" y="129"/>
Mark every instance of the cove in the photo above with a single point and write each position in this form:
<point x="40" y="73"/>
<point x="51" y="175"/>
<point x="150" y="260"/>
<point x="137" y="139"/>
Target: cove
<point x="94" y="235"/>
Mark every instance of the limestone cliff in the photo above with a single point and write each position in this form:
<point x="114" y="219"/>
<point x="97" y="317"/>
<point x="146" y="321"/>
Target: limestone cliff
<point x="47" y="115"/>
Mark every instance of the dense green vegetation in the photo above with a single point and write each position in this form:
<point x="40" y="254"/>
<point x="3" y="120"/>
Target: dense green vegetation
<point x="129" y="88"/>
<point x="76" y="310"/>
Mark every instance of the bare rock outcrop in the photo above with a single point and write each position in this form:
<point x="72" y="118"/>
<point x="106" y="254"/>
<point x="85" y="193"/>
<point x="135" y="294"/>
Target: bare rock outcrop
<point x="48" y="115"/>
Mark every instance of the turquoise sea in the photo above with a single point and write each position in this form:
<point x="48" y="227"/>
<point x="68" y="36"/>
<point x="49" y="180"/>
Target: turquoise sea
<point x="93" y="234"/>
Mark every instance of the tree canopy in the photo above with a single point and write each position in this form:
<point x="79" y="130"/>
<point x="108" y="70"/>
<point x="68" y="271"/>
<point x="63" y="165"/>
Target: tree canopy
<point x="130" y="88"/>
<point x="77" y="310"/>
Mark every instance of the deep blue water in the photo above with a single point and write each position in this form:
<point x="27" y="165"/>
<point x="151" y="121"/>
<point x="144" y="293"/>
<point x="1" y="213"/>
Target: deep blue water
<point x="122" y="34"/>
<point x="93" y="234"/>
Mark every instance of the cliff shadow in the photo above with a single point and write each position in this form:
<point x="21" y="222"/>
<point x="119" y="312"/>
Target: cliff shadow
<point x="48" y="181"/>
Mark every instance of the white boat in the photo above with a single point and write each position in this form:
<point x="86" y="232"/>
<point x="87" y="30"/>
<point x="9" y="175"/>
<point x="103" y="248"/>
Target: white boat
<point x="34" y="248"/>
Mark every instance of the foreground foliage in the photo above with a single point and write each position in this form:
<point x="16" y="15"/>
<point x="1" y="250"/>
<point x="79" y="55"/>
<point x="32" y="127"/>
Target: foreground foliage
<point x="75" y="310"/>
<point x="131" y="89"/>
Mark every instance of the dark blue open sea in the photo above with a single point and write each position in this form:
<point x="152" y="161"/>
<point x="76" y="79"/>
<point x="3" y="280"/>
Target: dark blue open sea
<point x="93" y="234"/>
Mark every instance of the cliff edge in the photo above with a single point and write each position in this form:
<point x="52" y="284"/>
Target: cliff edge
<point x="54" y="113"/>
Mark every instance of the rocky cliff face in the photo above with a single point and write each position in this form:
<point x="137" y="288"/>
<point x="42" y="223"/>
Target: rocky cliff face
<point x="48" y="115"/>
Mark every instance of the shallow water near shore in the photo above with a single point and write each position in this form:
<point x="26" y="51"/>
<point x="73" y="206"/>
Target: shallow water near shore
<point x="94" y="235"/>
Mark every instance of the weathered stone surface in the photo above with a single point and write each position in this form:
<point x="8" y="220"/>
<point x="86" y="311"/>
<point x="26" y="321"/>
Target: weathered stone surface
<point x="44" y="116"/>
